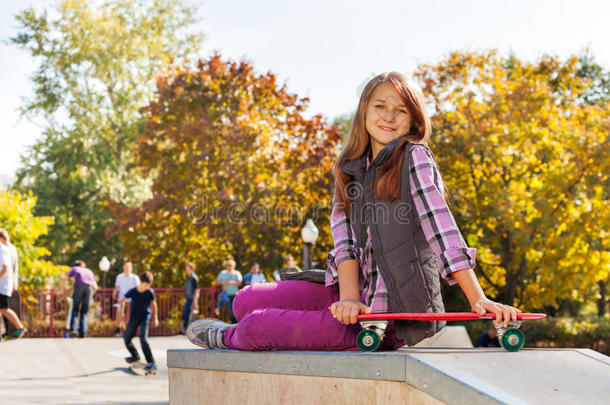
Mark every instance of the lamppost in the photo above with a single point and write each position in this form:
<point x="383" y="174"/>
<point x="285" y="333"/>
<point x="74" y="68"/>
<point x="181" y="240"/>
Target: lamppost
<point x="309" y="233"/>
<point x="104" y="267"/>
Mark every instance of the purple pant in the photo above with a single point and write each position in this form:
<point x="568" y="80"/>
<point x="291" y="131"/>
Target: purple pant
<point x="292" y="315"/>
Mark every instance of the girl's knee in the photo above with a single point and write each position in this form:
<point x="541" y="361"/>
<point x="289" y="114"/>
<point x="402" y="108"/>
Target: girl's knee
<point x="240" y="303"/>
<point x="253" y="332"/>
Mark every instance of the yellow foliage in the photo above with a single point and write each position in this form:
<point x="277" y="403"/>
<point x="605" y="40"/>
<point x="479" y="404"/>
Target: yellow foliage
<point x="526" y="163"/>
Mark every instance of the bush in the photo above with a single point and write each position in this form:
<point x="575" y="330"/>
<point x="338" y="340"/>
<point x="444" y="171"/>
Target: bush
<point x="592" y="333"/>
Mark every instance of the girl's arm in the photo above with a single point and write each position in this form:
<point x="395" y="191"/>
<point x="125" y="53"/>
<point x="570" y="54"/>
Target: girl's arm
<point x="344" y="268"/>
<point x="454" y="257"/>
<point x="348" y="307"/>
<point x="479" y="303"/>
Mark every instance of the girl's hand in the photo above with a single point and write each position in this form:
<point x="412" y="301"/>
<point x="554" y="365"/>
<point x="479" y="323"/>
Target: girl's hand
<point x="346" y="311"/>
<point x="502" y="311"/>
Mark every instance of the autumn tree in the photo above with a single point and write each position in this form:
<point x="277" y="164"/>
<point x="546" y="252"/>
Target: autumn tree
<point x="525" y="159"/>
<point x="24" y="228"/>
<point x="97" y="61"/>
<point x="238" y="169"/>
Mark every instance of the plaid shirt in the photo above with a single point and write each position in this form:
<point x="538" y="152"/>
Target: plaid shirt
<point x="437" y="223"/>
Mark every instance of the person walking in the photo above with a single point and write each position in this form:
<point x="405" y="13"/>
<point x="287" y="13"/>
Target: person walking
<point x="13" y="300"/>
<point x="143" y="311"/>
<point x="123" y="283"/>
<point x="84" y="288"/>
<point x="6" y="285"/>
<point x="191" y="293"/>
<point x="230" y="279"/>
<point x="393" y="232"/>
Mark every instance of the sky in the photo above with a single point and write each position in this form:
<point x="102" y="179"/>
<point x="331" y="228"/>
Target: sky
<point x="327" y="50"/>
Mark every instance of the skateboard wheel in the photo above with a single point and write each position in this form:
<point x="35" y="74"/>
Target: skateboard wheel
<point x="512" y="340"/>
<point x="368" y="340"/>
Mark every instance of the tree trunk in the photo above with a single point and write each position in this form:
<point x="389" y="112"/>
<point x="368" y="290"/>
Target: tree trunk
<point x="510" y="289"/>
<point x="602" y="301"/>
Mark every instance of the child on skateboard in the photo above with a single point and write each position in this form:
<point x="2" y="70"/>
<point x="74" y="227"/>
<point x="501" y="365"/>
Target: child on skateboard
<point x="143" y="309"/>
<point x="393" y="234"/>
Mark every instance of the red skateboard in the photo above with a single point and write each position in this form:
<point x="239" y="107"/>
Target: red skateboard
<point x="373" y="327"/>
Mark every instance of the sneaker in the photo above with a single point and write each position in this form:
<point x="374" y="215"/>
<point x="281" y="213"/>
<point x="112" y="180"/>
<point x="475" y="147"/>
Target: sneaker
<point x="131" y="359"/>
<point x="150" y="367"/>
<point x="19" y="333"/>
<point x="207" y="333"/>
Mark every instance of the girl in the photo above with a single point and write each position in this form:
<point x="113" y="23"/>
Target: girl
<point x="393" y="234"/>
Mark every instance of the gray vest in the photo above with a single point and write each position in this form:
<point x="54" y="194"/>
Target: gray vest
<point x="403" y="256"/>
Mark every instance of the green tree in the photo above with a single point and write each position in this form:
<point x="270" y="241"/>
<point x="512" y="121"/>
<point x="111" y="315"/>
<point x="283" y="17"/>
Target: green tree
<point x="343" y="122"/>
<point x="97" y="64"/>
<point x="525" y="158"/>
<point x="238" y="169"/>
<point x="24" y="228"/>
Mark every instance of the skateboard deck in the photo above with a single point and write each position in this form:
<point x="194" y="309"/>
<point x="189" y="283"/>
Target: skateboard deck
<point x="373" y="326"/>
<point x="137" y="368"/>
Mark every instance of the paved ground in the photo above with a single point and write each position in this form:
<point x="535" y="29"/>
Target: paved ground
<point x="92" y="370"/>
<point x="81" y="371"/>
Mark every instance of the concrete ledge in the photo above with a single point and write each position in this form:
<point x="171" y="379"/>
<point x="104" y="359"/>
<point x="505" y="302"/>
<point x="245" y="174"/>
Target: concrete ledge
<point x="418" y="375"/>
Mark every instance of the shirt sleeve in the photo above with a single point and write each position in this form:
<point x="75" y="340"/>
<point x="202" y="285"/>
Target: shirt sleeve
<point x="129" y="294"/>
<point x="153" y="297"/>
<point x="15" y="263"/>
<point x="346" y="247"/>
<point x="436" y="219"/>
<point x="4" y="260"/>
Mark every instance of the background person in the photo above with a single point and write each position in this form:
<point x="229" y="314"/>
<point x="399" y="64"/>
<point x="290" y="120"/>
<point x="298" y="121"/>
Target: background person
<point x="123" y="283"/>
<point x="13" y="301"/>
<point x="6" y="285"/>
<point x="143" y="310"/>
<point x="289" y="267"/>
<point x="191" y="293"/>
<point x="84" y="288"/>
<point x="488" y="338"/>
<point x="255" y="276"/>
<point x="230" y="279"/>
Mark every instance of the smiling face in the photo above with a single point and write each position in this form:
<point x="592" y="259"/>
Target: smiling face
<point x="387" y="117"/>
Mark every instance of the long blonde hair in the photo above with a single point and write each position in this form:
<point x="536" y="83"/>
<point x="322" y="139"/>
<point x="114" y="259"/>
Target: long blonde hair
<point x="387" y="185"/>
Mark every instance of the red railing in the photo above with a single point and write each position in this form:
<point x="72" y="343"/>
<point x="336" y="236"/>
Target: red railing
<point x="44" y="311"/>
